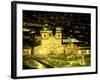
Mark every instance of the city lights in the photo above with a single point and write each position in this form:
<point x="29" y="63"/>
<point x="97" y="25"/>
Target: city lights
<point x="56" y="39"/>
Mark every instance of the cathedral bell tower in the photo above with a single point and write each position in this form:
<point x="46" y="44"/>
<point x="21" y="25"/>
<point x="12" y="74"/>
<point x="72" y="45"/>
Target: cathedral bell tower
<point x="58" y="36"/>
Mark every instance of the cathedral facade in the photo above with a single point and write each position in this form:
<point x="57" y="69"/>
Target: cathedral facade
<point x="50" y="43"/>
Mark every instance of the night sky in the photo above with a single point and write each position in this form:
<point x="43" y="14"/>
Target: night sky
<point x="76" y="25"/>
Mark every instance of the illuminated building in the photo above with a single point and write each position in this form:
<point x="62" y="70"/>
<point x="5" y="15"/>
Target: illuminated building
<point x="52" y="44"/>
<point x="49" y="43"/>
<point x="27" y="52"/>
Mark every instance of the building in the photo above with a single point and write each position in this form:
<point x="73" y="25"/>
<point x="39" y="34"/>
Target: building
<point x="52" y="44"/>
<point x="27" y="51"/>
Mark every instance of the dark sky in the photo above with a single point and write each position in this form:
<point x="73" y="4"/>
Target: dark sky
<point x="76" y="25"/>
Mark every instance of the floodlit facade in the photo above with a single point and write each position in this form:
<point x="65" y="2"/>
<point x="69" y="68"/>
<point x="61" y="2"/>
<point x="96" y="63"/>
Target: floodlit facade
<point x="27" y="52"/>
<point x="50" y="43"/>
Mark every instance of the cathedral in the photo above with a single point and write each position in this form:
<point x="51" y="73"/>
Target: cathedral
<point x="52" y="44"/>
<point x="49" y="43"/>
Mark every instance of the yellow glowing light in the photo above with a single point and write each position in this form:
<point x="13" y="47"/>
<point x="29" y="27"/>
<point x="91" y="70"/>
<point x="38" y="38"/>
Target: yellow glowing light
<point x="40" y="51"/>
<point x="62" y="47"/>
<point x="79" y="51"/>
